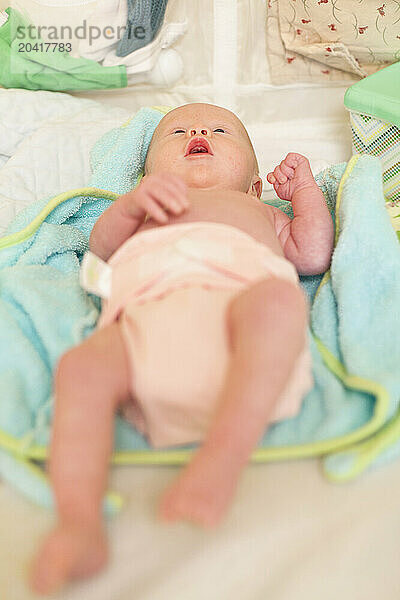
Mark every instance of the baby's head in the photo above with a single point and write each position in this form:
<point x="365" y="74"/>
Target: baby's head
<point x="227" y="160"/>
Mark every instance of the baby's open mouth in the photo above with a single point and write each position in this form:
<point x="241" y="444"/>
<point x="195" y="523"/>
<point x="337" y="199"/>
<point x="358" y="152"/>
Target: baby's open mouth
<point x="198" y="146"/>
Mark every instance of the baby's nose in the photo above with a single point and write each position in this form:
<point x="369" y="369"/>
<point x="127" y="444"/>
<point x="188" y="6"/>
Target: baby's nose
<point x="200" y="131"/>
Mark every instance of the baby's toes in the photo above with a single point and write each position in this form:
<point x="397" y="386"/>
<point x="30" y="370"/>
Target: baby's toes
<point x="49" y="568"/>
<point x="67" y="554"/>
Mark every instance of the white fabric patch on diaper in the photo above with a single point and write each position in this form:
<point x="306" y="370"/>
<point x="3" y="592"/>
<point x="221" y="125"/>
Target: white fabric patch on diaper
<point x="95" y="275"/>
<point x="199" y="251"/>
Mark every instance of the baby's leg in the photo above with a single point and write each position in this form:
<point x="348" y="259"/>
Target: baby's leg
<point x="91" y="381"/>
<point x="266" y="328"/>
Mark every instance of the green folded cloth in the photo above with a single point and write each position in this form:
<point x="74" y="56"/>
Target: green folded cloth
<point x="41" y="70"/>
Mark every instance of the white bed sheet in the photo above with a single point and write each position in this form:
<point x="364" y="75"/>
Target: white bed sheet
<point x="290" y="534"/>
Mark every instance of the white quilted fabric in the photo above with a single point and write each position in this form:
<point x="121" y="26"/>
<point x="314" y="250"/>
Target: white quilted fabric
<point x="45" y="143"/>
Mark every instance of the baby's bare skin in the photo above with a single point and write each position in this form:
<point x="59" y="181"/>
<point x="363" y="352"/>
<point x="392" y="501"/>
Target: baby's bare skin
<point x="306" y="240"/>
<point x="241" y="210"/>
<point x="222" y="188"/>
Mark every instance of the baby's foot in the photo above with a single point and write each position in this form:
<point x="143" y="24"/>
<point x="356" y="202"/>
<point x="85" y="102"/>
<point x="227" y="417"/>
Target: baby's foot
<point x="293" y="174"/>
<point x="202" y="491"/>
<point x="68" y="552"/>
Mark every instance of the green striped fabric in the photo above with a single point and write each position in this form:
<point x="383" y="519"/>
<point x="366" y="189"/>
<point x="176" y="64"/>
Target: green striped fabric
<point x="376" y="137"/>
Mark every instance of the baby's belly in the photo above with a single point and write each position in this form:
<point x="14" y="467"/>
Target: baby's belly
<point x="232" y="208"/>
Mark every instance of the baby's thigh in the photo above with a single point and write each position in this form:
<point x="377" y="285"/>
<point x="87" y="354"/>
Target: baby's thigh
<point x="99" y="363"/>
<point x="266" y="305"/>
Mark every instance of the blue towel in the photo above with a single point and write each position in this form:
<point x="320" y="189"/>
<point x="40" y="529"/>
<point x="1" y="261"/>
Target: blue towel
<point x="354" y="313"/>
<point x="350" y="413"/>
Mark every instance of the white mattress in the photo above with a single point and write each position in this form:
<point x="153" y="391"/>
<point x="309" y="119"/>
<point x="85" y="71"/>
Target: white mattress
<point x="290" y="534"/>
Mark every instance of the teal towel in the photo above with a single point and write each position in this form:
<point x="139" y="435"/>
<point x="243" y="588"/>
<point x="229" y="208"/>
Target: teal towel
<point x="354" y="314"/>
<point x="43" y="310"/>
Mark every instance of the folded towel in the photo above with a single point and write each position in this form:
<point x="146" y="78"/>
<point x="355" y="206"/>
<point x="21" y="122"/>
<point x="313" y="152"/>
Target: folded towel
<point x="354" y="313"/>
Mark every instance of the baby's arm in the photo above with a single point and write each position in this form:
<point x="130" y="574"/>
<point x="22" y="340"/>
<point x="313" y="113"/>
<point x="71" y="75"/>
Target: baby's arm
<point x="307" y="239"/>
<point x="155" y="195"/>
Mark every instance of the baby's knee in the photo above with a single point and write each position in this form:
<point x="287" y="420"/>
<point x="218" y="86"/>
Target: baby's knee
<point x="98" y="364"/>
<point x="284" y="297"/>
<point x="273" y="296"/>
<point x="72" y="367"/>
<point x="82" y="365"/>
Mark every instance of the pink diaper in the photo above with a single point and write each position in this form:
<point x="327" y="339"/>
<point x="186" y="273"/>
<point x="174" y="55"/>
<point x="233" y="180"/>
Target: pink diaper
<point x="171" y="286"/>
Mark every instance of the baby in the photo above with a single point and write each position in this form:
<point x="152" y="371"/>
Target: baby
<point x="204" y="336"/>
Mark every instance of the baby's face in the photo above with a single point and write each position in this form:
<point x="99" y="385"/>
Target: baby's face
<point x="224" y="159"/>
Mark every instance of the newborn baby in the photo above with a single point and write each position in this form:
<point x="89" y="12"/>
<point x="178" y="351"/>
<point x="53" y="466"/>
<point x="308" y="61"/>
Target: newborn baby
<point x="204" y="336"/>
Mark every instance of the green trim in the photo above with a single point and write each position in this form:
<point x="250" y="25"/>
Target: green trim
<point x="113" y="501"/>
<point x="180" y="456"/>
<point x="366" y="451"/>
<point x="21" y="236"/>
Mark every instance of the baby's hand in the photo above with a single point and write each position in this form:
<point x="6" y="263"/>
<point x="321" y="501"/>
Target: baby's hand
<point x="161" y="194"/>
<point x="294" y="173"/>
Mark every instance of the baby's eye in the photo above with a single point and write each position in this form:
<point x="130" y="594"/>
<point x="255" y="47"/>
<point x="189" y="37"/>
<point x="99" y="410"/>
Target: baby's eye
<point x="179" y="131"/>
<point x="220" y="129"/>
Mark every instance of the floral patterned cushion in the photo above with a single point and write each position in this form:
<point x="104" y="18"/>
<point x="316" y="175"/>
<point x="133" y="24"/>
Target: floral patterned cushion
<point x="333" y="39"/>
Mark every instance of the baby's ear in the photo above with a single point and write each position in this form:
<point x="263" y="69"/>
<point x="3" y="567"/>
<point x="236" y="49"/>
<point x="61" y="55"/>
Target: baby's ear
<point x="256" y="186"/>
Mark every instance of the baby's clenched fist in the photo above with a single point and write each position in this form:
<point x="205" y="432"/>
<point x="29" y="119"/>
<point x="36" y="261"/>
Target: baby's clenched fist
<point x="291" y="175"/>
<point x="158" y="195"/>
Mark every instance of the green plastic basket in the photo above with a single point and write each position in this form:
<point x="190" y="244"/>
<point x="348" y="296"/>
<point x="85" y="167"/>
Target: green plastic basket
<point x="374" y="105"/>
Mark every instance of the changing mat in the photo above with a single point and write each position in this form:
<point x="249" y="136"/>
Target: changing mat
<point x="350" y="414"/>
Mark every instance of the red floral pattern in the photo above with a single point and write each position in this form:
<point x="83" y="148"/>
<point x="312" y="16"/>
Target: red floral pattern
<point x="353" y="38"/>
